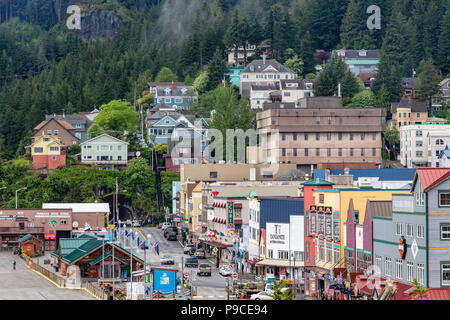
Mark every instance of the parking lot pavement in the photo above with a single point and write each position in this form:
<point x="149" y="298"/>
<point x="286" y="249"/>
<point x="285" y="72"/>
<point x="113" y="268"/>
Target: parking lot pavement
<point x="26" y="284"/>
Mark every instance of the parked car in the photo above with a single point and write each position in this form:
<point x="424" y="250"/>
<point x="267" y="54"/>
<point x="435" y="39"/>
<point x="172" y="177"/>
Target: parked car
<point x="204" y="269"/>
<point x="225" y="271"/>
<point x="261" y="296"/>
<point x="167" y="259"/>
<point x="188" y="248"/>
<point x="191" y="262"/>
<point x="159" y="225"/>
<point x="136" y="223"/>
<point x="200" y="253"/>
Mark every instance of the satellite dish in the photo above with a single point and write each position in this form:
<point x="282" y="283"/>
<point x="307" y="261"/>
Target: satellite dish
<point x="138" y="153"/>
<point x="75" y="224"/>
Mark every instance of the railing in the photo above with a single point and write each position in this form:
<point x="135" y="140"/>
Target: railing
<point x="21" y="230"/>
<point x="94" y="288"/>
<point x="52" y="276"/>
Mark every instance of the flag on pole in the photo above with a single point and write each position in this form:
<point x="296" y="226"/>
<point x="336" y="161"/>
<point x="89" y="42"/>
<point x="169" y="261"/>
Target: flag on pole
<point x="117" y="186"/>
<point x="143" y="246"/>
<point x="126" y="233"/>
<point x="132" y="235"/>
<point x="386" y="148"/>
<point x="156" y="249"/>
<point x="138" y="240"/>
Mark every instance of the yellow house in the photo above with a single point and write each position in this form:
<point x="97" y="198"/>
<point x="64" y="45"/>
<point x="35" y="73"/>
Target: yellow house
<point x="47" y="152"/>
<point x="329" y="240"/>
<point x="196" y="212"/>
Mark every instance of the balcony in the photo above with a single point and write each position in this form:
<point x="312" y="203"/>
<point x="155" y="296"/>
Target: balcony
<point x="15" y="230"/>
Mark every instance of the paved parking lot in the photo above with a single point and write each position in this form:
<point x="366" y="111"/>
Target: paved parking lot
<point x="25" y="284"/>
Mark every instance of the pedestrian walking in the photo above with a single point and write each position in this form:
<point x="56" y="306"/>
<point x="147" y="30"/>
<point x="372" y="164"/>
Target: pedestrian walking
<point x="14" y="264"/>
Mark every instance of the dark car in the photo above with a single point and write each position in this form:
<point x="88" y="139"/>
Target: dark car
<point x="204" y="269"/>
<point x="191" y="262"/>
<point x="171" y="230"/>
<point x="171" y="235"/>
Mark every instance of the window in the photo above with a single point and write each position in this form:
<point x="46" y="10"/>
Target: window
<point x="38" y="149"/>
<point x="351" y="152"/>
<point x="374" y="136"/>
<point x="283" y="254"/>
<point x="317" y="152"/>
<point x="213" y="174"/>
<point x="445" y="271"/>
<point x="283" y="152"/>
<point x="363" y="135"/>
<point x="54" y="148"/>
<point x="444" y="199"/>
<point x="46" y="139"/>
<point x="378" y="265"/>
<point x="374" y="152"/>
<point x="294" y="136"/>
<point x="362" y="152"/>
<point x="340" y="120"/>
<point x="418" y="115"/>
<point x="399" y="114"/>
<point x="268" y="174"/>
<point x="388" y="267"/>
<point x="439" y="142"/>
<point x="321" y="252"/>
<point x="340" y="136"/>
<point x="398" y="269"/>
<point x="321" y="198"/>
<point x="329" y="254"/>
<point x="420" y="231"/>
<point x="409" y="229"/>
<point x="49" y="132"/>
<point x="119" y="158"/>
<point x="306" y="136"/>
<point x="317" y="120"/>
<point x="63" y="221"/>
<point x="398" y="229"/>
<point x="329" y="120"/>
<point x="337" y="255"/>
<point x="119" y="148"/>
<point x="306" y="152"/>
<point x="421" y="273"/>
<point x="340" y="152"/>
<point x="55" y="132"/>
<point x="298" y="255"/>
<point x="419" y="143"/>
<point x="445" y="231"/>
<point x="270" y="253"/>
<point x="53" y="158"/>
<point x="317" y="136"/>
<point x="283" y="136"/>
<point x="351" y="136"/>
<point x="287" y="94"/>
<point x="418" y="133"/>
<point x="410" y="271"/>
<point x="295" y="152"/>
<point x="329" y="136"/>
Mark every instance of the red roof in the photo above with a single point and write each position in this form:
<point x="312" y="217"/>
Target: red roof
<point x="399" y="294"/>
<point x="438" y="294"/>
<point x="431" y="176"/>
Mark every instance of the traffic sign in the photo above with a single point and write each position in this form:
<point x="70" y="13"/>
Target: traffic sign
<point x="235" y="275"/>
<point x="186" y="274"/>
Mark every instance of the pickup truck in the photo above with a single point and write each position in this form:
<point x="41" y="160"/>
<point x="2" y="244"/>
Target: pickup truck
<point x="191" y="262"/>
<point x="249" y="288"/>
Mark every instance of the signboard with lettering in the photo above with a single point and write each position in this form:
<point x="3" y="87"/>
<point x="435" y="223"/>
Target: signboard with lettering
<point x="278" y="235"/>
<point x="52" y="215"/>
<point x="49" y="236"/>
<point x="230" y="213"/>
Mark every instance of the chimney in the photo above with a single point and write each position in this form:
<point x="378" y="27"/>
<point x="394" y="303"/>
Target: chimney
<point x="339" y="90"/>
<point x="173" y="85"/>
<point x="264" y="59"/>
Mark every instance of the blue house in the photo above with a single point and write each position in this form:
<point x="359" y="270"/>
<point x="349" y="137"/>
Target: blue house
<point x="163" y="129"/>
<point x="181" y="97"/>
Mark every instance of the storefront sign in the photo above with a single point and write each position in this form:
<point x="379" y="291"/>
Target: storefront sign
<point x="49" y="236"/>
<point x="21" y="219"/>
<point x="278" y="234"/>
<point x="52" y="215"/>
<point x="10" y="218"/>
<point x="230" y="213"/>
<point x="52" y="222"/>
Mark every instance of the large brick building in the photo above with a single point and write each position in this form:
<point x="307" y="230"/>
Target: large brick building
<point x="319" y="132"/>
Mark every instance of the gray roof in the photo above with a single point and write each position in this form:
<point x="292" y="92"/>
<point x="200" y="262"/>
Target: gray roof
<point x="177" y="92"/>
<point x="301" y="84"/>
<point x="259" y="66"/>
<point x="354" y="54"/>
<point x="70" y="118"/>
<point x="408" y="82"/>
<point x="380" y="208"/>
<point x="276" y="86"/>
<point x="278" y="105"/>
<point x="410" y="103"/>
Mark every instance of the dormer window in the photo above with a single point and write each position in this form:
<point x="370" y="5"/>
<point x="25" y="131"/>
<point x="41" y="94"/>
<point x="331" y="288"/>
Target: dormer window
<point x="341" y="53"/>
<point x="362" y="53"/>
<point x="309" y="86"/>
<point x="252" y="68"/>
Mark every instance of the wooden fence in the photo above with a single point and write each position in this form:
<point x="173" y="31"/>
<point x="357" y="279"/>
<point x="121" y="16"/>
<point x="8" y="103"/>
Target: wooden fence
<point x="94" y="288"/>
<point x="52" y="276"/>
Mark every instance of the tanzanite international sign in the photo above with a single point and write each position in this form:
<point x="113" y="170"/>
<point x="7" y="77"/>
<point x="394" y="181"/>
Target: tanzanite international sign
<point x="230" y="212"/>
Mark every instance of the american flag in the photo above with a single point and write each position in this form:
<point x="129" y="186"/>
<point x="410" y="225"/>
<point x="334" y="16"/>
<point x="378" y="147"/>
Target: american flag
<point x="143" y="246"/>
<point x="126" y="233"/>
<point x="156" y="249"/>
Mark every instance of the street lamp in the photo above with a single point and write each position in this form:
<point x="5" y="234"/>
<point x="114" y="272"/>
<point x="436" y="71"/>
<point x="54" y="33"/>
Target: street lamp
<point x="145" y="257"/>
<point x="24" y="188"/>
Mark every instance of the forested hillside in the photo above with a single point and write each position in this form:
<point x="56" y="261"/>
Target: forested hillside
<point x="46" y="68"/>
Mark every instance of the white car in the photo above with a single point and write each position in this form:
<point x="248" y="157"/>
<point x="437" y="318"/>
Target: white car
<point x="188" y="248"/>
<point x="135" y="223"/>
<point x="261" y="296"/>
<point x="167" y="259"/>
<point x="225" y="271"/>
<point x="165" y="225"/>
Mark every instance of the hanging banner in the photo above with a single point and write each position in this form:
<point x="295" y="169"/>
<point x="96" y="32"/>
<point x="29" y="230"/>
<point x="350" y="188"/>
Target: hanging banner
<point x="230" y="212"/>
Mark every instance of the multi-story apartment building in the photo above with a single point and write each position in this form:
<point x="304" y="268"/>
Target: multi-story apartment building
<point x="80" y="122"/>
<point x="105" y="151"/>
<point x="263" y="72"/>
<point x="242" y="54"/>
<point x="320" y="132"/>
<point x="437" y="142"/>
<point x="409" y="111"/>
<point x="181" y="97"/>
<point x="264" y="93"/>
<point x="293" y="90"/>
<point x="414" y="144"/>
<point x="360" y="60"/>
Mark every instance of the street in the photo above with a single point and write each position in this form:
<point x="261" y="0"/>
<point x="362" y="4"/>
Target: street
<point x="25" y="284"/>
<point x="208" y="287"/>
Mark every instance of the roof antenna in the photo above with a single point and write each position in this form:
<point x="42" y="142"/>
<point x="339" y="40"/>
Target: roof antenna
<point x="63" y="114"/>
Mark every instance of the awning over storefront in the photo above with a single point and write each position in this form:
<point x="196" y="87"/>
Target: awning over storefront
<point x="217" y="244"/>
<point x="280" y="263"/>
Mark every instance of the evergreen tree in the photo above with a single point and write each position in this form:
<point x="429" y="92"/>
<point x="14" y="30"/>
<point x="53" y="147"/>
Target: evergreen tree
<point x="443" y="51"/>
<point x="217" y="68"/>
<point x="428" y="80"/>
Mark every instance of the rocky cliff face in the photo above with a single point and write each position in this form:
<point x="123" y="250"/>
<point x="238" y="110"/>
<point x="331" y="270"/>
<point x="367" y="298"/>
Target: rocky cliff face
<point x="98" y="24"/>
